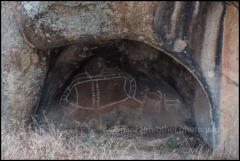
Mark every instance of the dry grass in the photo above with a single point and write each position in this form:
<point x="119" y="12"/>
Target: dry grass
<point x="37" y="143"/>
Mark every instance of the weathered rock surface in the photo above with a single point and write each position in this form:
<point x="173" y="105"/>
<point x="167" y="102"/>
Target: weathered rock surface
<point x="23" y="70"/>
<point x="53" y="24"/>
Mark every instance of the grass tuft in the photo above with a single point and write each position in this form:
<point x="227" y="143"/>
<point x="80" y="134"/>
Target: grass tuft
<point x="38" y="143"/>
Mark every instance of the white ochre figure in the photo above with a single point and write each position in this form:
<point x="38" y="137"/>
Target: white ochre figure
<point x="99" y="90"/>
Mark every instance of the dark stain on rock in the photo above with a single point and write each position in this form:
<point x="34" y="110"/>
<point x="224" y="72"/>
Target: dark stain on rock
<point x="187" y="19"/>
<point x="192" y="30"/>
<point x="218" y="68"/>
<point x="197" y="32"/>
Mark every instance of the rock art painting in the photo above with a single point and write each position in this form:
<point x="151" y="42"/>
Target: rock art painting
<point x="108" y="96"/>
<point x="99" y="90"/>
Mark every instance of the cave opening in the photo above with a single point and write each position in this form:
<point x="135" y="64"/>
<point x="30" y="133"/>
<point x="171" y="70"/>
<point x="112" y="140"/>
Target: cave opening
<point x="123" y="83"/>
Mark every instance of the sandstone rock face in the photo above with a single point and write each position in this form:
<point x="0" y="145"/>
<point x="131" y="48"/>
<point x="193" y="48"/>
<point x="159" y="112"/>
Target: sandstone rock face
<point x="44" y="44"/>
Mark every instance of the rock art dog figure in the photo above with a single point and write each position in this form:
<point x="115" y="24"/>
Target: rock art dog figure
<point x="159" y="101"/>
<point x="97" y="91"/>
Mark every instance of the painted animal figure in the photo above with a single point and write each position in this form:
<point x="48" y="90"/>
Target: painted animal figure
<point x="99" y="90"/>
